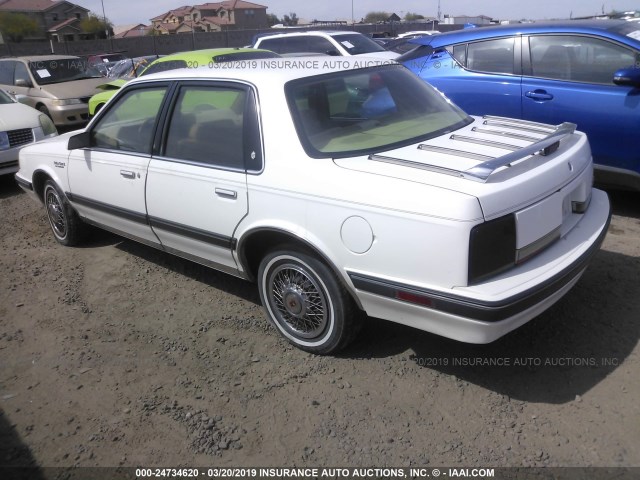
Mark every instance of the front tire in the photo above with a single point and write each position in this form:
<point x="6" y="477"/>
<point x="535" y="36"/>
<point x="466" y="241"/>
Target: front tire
<point x="65" y="224"/>
<point x="306" y="303"/>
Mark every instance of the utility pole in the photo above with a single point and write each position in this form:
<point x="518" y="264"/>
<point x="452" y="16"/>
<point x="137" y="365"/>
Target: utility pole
<point x="104" y="19"/>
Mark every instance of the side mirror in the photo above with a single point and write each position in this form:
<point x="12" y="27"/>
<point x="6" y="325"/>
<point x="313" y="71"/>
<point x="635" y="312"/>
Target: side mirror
<point x="627" y="77"/>
<point x="81" y="140"/>
<point x="333" y="53"/>
<point x="22" y="82"/>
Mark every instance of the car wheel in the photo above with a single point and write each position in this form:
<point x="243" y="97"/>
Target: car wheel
<point x="306" y="303"/>
<point x="65" y="224"/>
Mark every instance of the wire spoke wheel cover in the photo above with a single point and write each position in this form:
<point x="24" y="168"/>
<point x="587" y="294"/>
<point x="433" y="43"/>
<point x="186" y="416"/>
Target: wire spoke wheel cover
<point x="298" y="300"/>
<point x="56" y="212"/>
<point x="66" y="226"/>
<point x="305" y="301"/>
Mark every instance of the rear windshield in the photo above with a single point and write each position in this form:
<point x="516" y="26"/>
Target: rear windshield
<point x="366" y="111"/>
<point x="47" y="72"/>
<point x="164" y="66"/>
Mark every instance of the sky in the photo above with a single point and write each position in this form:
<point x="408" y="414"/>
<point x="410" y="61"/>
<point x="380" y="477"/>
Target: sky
<point x="123" y="12"/>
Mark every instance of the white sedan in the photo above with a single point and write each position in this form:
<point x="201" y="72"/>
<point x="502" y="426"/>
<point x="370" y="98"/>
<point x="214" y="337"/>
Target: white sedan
<point x="20" y="125"/>
<point x="341" y="189"/>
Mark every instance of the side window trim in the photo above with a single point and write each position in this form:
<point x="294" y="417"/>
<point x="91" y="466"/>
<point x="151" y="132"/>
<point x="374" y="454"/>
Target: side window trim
<point x="527" y="57"/>
<point x="162" y="132"/>
<point x="252" y="135"/>
<point x="170" y="86"/>
<point x="517" y="55"/>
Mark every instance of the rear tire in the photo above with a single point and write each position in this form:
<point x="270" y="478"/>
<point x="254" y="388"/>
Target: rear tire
<point x="306" y="303"/>
<point x="65" y="223"/>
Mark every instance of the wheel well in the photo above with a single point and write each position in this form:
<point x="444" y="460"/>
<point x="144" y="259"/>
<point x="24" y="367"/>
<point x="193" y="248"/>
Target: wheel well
<point x="39" y="179"/>
<point x="253" y="249"/>
<point x="258" y="244"/>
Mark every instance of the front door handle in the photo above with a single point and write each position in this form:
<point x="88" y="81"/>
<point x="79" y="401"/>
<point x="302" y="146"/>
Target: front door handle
<point x="128" y="174"/>
<point x="223" y="192"/>
<point x="539" y="95"/>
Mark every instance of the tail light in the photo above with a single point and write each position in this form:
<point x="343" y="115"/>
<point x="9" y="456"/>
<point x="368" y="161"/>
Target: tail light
<point x="492" y="248"/>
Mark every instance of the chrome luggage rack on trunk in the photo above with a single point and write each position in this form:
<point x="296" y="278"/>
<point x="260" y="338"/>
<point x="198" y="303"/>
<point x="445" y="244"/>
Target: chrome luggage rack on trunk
<point x="480" y="173"/>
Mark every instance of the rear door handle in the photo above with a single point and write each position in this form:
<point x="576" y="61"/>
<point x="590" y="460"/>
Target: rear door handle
<point x="223" y="192"/>
<point x="539" y="95"/>
<point x="128" y="174"/>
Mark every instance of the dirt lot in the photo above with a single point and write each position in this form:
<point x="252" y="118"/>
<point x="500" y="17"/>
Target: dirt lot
<point x="117" y="354"/>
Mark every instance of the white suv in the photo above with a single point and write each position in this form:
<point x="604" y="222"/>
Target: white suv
<point x="338" y="43"/>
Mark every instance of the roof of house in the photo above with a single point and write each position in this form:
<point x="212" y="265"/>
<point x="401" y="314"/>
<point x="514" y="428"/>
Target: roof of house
<point x="66" y="23"/>
<point x="178" y="12"/>
<point x="33" y="5"/>
<point x="229" y="5"/>
<point x="131" y="30"/>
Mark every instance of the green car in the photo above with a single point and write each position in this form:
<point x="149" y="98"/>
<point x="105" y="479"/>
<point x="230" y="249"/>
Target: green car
<point x="193" y="59"/>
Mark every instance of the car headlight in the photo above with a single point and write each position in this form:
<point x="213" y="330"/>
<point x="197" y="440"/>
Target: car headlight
<point x="66" y="101"/>
<point x="4" y="141"/>
<point x="48" y="128"/>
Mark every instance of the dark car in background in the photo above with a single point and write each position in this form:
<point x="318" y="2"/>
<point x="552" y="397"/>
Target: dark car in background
<point x="104" y="62"/>
<point x="585" y="72"/>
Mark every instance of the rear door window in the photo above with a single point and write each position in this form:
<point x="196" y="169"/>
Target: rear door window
<point x="492" y="56"/>
<point x="206" y="126"/>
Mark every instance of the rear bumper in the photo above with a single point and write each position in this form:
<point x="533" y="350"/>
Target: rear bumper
<point x="470" y="314"/>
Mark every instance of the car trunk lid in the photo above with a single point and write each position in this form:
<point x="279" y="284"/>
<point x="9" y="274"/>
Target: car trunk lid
<point x="540" y="173"/>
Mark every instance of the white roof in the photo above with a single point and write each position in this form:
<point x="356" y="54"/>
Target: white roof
<point x="271" y="70"/>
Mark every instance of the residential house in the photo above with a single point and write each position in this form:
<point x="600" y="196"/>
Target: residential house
<point x="58" y="20"/>
<point x="211" y="17"/>
<point x="132" y="30"/>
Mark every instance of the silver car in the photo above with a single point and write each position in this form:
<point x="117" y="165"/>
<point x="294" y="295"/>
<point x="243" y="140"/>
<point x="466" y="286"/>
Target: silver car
<point x="57" y="85"/>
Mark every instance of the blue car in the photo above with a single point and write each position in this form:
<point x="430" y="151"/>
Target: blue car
<point x="584" y="72"/>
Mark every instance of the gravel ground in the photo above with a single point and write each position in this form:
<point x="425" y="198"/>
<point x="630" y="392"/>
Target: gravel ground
<point x="117" y="354"/>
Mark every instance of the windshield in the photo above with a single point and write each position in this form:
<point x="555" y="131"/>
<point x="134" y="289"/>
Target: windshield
<point x="47" y="72"/>
<point x="360" y="112"/>
<point x="357" y="44"/>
